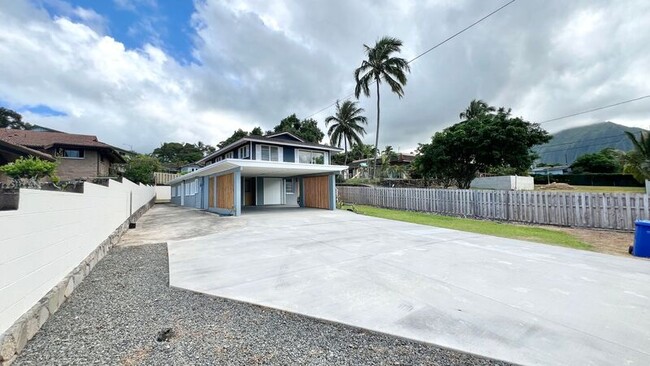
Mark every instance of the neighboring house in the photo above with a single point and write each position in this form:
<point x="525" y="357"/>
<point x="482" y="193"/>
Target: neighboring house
<point x="279" y="169"/>
<point x="78" y="156"/>
<point x="551" y="170"/>
<point x="398" y="167"/>
<point x="189" y="168"/>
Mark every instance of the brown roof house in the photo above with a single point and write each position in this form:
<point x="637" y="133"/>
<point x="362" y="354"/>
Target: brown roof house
<point x="79" y="156"/>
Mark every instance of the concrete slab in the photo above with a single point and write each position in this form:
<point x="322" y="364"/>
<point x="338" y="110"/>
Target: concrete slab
<point x="512" y="300"/>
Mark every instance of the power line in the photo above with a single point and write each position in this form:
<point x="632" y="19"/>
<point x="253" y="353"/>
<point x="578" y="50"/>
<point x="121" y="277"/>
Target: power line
<point x="595" y="109"/>
<point x="428" y="50"/>
<point x="460" y="32"/>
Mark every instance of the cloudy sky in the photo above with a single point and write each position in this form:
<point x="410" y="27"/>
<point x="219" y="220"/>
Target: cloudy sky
<point x="140" y="72"/>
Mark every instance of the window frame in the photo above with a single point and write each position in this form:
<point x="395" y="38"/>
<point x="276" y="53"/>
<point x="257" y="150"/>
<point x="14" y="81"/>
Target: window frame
<point x="270" y="153"/>
<point x="244" y="152"/>
<point x="311" y="156"/>
<point x="82" y="153"/>
<point x="229" y="155"/>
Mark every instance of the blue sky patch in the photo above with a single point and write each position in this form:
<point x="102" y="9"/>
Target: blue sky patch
<point x="41" y="110"/>
<point x="163" y="23"/>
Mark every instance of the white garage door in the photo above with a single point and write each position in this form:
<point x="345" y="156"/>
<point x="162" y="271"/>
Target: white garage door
<point x="273" y="191"/>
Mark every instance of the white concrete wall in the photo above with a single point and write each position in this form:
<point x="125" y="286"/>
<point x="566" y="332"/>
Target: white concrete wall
<point x="53" y="232"/>
<point x="508" y="182"/>
<point x="163" y="193"/>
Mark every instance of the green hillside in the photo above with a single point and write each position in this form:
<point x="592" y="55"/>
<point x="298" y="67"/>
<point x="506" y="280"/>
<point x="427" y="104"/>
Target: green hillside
<point x="567" y="145"/>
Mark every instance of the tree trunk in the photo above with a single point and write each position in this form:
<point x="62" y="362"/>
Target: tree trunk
<point x="374" y="164"/>
<point x="345" y="143"/>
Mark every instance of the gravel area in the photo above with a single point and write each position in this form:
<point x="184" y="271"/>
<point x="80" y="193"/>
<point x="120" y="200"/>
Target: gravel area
<point x="125" y="304"/>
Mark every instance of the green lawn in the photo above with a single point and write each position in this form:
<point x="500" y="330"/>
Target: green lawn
<point x="503" y="230"/>
<point x="600" y="189"/>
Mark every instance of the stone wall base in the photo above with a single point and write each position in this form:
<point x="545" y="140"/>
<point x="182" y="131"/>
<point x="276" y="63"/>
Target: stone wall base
<point x="13" y="341"/>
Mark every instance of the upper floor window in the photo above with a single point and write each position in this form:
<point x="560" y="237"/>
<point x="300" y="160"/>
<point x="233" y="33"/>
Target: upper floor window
<point x="244" y="152"/>
<point x="229" y="155"/>
<point x="311" y="157"/>
<point x="270" y="153"/>
<point x="72" y="153"/>
<point x="219" y="158"/>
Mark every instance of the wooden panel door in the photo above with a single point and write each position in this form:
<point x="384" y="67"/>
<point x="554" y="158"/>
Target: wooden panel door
<point x="211" y="189"/>
<point x="226" y="191"/>
<point x="317" y="192"/>
<point x="249" y="191"/>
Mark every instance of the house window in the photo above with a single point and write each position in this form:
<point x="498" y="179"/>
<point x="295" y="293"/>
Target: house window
<point x="72" y="153"/>
<point x="288" y="186"/>
<point x="311" y="157"/>
<point x="229" y="155"/>
<point x="270" y="153"/>
<point x="244" y="152"/>
<point x="218" y="159"/>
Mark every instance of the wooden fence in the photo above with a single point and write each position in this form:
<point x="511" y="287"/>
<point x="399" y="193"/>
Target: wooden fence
<point x="579" y="209"/>
<point x="162" y="179"/>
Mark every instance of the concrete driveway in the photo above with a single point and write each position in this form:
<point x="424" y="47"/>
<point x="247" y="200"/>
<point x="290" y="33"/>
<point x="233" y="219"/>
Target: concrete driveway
<point x="506" y="299"/>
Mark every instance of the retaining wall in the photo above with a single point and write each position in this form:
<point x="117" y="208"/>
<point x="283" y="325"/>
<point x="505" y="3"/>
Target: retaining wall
<point x="50" y="244"/>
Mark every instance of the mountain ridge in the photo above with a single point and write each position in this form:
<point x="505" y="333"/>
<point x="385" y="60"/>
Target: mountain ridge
<point x="569" y="144"/>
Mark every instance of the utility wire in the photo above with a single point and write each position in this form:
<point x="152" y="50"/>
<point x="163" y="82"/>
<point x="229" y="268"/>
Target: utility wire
<point x="427" y="51"/>
<point x="460" y="31"/>
<point x="595" y="109"/>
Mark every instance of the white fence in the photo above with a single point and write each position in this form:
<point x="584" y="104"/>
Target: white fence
<point x="53" y="232"/>
<point x="163" y="194"/>
<point x="593" y="210"/>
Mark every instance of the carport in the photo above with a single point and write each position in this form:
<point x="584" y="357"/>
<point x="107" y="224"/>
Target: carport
<point x="229" y="185"/>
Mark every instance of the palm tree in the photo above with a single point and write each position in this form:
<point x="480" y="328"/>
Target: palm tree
<point x="637" y="161"/>
<point x="380" y="66"/>
<point x="346" y="125"/>
<point x="476" y="108"/>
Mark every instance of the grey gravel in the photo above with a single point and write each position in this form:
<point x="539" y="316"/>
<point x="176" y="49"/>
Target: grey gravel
<point x="120" y="309"/>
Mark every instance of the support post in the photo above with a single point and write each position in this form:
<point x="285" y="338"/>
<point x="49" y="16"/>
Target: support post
<point x="332" y="189"/>
<point x="238" y="190"/>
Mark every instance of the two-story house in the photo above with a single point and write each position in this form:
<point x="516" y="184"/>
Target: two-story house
<point x="278" y="169"/>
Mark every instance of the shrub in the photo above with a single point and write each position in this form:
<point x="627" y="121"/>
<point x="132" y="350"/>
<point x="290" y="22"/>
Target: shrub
<point x="30" y="168"/>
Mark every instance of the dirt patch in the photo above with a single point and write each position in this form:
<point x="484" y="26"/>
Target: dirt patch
<point x="602" y="241"/>
<point x="556" y="187"/>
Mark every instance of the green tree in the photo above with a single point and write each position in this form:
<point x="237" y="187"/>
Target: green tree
<point x="379" y="66"/>
<point x="346" y="125"/>
<point x="140" y="169"/>
<point x="494" y="140"/>
<point x="237" y="135"/>
<point x="306" y="129"/>
<point x="637" y="161"/>
<point x="178" y="153"/>
<point x="476" y="109"/>
<point x="12" y="119"/>
<point x="205" y="149"/>
<point x="257" y="131"/>
<point x="605" y="161"/>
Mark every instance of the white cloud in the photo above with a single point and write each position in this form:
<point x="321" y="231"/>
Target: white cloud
<point x="260" y="61"/>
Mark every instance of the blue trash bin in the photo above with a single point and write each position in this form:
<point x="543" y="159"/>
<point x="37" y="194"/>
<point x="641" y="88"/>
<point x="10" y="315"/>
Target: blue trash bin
<point x="642" y="239"/>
